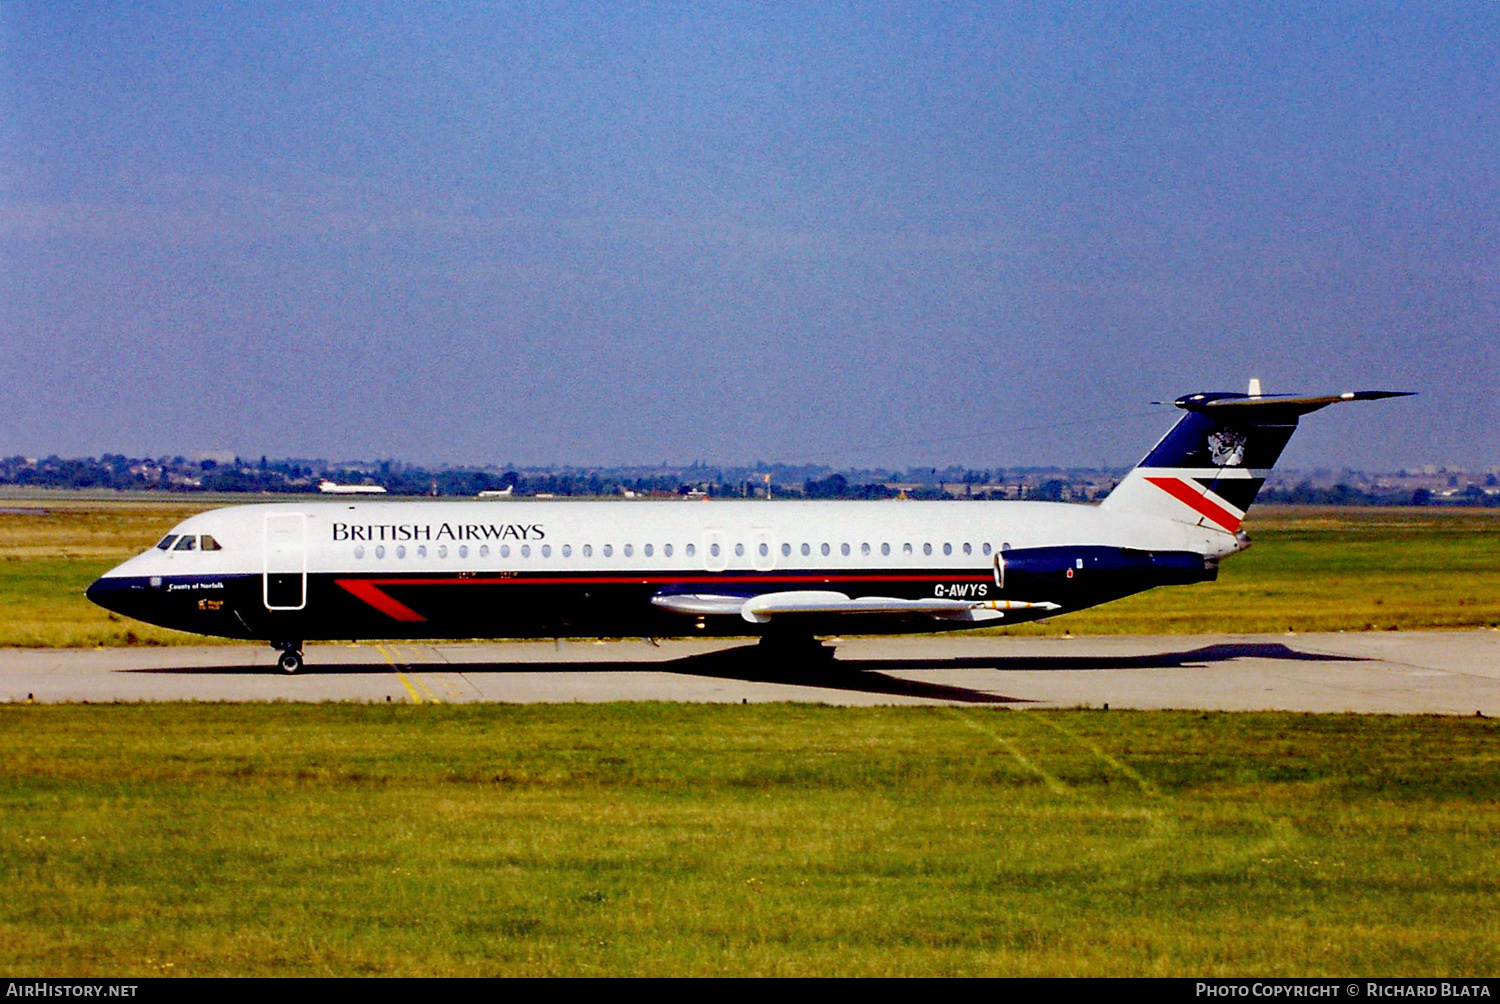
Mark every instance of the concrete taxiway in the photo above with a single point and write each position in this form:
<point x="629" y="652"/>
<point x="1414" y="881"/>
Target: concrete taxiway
<point x="1428" y="672"/>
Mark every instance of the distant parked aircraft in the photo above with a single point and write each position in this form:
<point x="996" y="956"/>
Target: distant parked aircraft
<point x="329" y="488"/>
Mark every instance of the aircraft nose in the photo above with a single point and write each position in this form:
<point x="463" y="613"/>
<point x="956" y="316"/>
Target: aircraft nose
<point x="110" y="593"/>
<point x="98" y="592"/>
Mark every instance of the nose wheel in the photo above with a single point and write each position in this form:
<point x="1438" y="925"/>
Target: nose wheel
<point x="290" y="659"/>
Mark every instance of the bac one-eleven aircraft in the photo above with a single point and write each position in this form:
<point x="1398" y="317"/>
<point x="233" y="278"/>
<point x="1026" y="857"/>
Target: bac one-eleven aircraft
<point x="287" y="573"/>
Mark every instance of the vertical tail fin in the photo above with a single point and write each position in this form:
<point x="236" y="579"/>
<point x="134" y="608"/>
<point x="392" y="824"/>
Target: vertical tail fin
<point x="1208" y="469"/>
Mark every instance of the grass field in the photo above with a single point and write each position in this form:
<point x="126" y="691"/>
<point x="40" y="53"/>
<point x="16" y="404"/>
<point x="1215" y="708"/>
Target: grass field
<point x="199" y="840"/>
<point x="1311" y="569"/>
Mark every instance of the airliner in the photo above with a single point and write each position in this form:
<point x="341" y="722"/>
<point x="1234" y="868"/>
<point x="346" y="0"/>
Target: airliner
<point x="788" y="571"/>
<point x="331" y="488"/>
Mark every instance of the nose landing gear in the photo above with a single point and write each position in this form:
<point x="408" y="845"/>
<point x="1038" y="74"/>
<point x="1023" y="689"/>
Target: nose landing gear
<point x="290" y="659"/>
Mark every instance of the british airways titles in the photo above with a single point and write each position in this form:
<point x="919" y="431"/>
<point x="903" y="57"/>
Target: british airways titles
<point x="442" y="531"/>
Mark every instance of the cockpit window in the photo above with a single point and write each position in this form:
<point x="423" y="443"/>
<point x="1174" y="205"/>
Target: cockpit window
<point x="207" y="543"/>
<point x="166" y="542"/>
<point x="187" y="543"/>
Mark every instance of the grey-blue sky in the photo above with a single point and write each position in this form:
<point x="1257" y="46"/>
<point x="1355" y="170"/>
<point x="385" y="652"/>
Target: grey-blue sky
<point x="606" y="233"/>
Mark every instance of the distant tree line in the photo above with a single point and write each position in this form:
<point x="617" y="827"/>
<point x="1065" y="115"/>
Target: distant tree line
<point x="1306" y="493"/>
<point x="177" y="474"/>
<point x="115" y="470"/>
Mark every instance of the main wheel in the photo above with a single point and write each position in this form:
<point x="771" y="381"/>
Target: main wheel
<point x="800" y="647"/>
<point x="290" y="662"/>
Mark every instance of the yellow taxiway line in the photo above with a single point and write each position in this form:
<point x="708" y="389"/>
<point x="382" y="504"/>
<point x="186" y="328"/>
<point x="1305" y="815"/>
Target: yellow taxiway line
<point x="417" y="698"/>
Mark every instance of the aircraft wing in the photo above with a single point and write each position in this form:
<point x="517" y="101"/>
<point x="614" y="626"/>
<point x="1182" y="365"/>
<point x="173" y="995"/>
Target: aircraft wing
<point x="763" y="608"/>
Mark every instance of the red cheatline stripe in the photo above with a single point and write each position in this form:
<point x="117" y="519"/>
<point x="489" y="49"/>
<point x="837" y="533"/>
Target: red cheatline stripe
<point x="1194" y="497"/>
<point x="372" y="594"/>
<point x="370" y="591"/>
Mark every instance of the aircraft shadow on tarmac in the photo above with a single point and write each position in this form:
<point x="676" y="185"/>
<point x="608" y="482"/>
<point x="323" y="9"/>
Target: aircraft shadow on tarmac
<point x="814" y="667"/>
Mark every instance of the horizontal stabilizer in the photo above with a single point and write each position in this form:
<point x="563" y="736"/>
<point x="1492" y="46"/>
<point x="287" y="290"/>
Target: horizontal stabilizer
<point x="1285" y="404"/>
<point x="760" y="609"/>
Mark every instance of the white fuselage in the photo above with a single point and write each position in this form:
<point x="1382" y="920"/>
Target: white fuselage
<point x="367" y="569"/>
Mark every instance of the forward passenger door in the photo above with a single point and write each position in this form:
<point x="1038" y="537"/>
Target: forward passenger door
<point x="284" y="568"/>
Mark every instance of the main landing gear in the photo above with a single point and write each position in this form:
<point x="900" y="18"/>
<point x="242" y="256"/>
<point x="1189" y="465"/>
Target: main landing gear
<point x="790" y="648"/>
<point x="290" y="659"/>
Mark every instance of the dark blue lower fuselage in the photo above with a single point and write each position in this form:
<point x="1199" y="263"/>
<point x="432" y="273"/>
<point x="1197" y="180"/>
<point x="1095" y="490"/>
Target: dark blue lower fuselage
<point x="604" y="602"/>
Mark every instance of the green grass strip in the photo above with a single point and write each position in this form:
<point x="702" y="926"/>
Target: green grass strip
<point x="473" y="840"/>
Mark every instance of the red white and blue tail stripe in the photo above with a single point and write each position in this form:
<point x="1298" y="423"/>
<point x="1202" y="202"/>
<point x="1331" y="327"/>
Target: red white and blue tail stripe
<point x="1196" y="489"/>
